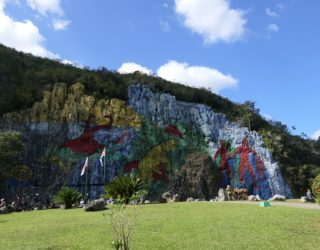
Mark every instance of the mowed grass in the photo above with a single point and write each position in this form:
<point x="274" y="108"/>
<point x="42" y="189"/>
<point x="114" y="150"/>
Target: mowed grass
<point x="198" y="225"/>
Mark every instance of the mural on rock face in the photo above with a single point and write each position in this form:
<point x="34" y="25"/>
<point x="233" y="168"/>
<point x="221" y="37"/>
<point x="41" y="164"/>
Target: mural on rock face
<point x="159" y="152"/>
<point x="152" y="136"/>
<point x="242" y="167"/>
<point x="86" y="144"/>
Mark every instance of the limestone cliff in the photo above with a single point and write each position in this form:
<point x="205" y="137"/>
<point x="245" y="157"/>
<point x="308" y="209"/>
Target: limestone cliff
<point x="152" y="136"/>
<point x="163" y="109"/>
<point x="59" y="117"/>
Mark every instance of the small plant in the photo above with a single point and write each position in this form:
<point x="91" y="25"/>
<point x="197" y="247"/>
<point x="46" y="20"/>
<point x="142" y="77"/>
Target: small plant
<point x="316" y="188"/>
<point x="124" y="188"/>
<point x="122" y="224"/>
<point x="138" y="197"/>
<point x="67" y="197"/>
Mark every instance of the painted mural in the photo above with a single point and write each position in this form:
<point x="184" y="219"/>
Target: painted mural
<point x="151" y="139"/>
<point x="242" y="167"/>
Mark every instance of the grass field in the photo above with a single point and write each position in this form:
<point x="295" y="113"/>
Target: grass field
<point x="198" y="225"/>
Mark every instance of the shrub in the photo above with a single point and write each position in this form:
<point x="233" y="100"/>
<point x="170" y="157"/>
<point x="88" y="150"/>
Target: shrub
<point x="316" y="188"/>
<point x="124" y="188"/>
<point x="122" y="223"/>
<point x="67" y="197"/>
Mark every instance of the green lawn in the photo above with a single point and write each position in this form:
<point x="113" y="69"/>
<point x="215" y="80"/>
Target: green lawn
<point x="197" y="225"/>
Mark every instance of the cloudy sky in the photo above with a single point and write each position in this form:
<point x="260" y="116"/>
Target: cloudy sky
<point x="267" y="51"/>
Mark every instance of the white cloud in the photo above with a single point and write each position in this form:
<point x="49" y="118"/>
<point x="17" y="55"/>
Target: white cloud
<point x="23" y="36"/>
<point x="316" y="135"/>
<point x="53" y="7"/>
<point x="66" y="61"/>
<point x="46" y="6"/>
<point x="131" y="67"/>
<point x="196" y="76"/>
<point x="214" y="20"/>
<point x="60" y="24"/>
<point x="72" y="63"/>
<point x="271" y="13"/>
<point x="267" y="117"/>
<point x="273" y="27"/>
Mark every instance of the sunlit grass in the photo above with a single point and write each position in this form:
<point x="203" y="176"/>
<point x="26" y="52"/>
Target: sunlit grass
<point x="201" y="225"/>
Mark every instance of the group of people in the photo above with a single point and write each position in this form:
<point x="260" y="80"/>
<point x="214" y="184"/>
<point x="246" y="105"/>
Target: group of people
<point x="3" y="206"/>
<point x="236" y="194"/>
<point x="24" y="203"/>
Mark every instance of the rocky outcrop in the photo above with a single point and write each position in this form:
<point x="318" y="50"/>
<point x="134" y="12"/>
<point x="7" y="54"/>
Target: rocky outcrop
<point x="277" y="197"/>
<point x="72" y="106"/>
<point x="169" y="143"/>
<point x="169" y="197"/>
<point x="4" y="210"/>
<point x="61" y="116"/>
<point x="254" y="198"/>
<point x="95" y="205"/>
<point x="196" y="178"/>
<point x="163" y="109"/>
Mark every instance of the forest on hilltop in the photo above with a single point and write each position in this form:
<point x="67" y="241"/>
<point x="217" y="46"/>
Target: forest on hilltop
<point x="24" y="77"/>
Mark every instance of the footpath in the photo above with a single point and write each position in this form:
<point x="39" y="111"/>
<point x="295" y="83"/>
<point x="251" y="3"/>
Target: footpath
<point x="282" y="204"/>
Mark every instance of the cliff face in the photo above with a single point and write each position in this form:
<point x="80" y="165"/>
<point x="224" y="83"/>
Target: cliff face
<point x="61" y="117"/>
<point x="150" y="137"/>
<point x="163" y="109"/>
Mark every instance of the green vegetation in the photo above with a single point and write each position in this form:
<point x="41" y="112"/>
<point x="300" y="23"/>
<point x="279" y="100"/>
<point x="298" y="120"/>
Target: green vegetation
<point x="11" y="148"/>
<point x="316" y="188"/>
<point x="167" y="226"/>
<point x="24" y="77"/>
<point x="123" y="222"/>
<point x="124" y="188"/>
<point x="67" y="197"/>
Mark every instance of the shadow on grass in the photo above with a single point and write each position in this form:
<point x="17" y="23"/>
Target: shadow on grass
<point x="106" y="208"/>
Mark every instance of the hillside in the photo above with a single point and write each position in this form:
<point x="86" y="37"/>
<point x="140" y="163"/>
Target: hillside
<point x="24" y="78"/>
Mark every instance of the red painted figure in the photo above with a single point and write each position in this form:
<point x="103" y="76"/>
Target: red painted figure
<point x="85" y="143"/>
<point x="224" y="153"/>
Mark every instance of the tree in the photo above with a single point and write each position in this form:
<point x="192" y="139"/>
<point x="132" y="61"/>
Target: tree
<point x="11" y="148"/>
<point x="247" y="111"/>
<point x="316" y="188"/>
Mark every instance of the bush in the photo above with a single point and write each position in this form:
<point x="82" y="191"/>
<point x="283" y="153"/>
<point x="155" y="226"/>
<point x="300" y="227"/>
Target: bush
<point x="67" y="197"/>
<point x="124" y="188"/>
<point x="316" y="188"/>
<point x="122" y="223"/>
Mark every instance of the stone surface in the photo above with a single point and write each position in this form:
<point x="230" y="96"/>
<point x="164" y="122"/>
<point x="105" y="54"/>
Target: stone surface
<point x="163" y="109"/>
<point x="196" y="178"/>
<point x="170" y="196"/>
<point x="306" y="199"/>
<point x="277" y="197"/>
<point x="4" y="210"/>
<point x="254" y="198"/>
<point x="61" y="116"/>
<point x="95" y="205"/>
<point x="221" y="195"/>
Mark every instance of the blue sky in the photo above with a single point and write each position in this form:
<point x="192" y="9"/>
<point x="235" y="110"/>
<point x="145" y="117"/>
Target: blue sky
<point x="267" y="51"/>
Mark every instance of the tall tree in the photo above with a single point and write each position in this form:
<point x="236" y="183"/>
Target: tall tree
<point x="11" y="148"/>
